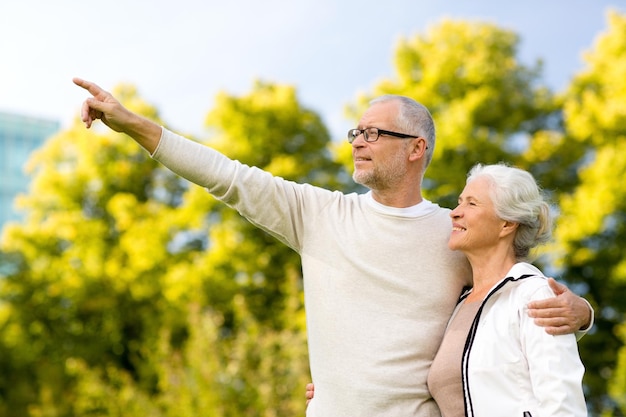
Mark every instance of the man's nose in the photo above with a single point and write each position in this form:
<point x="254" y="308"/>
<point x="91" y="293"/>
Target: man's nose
<point x="359" y="141"/>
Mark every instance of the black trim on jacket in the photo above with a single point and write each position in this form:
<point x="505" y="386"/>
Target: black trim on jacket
<point x="467" y="400"/>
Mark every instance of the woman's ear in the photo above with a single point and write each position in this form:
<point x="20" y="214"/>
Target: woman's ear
<point x="508" y="228"/>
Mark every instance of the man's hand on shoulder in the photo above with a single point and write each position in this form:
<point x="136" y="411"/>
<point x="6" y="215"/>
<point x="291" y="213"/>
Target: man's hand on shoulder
<point x="566" y="313"/>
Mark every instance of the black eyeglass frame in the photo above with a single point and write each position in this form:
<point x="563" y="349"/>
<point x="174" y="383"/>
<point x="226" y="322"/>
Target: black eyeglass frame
<point x="366" y="135"/>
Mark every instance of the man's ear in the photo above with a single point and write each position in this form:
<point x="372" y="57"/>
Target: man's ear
<point x="418" y="148"/>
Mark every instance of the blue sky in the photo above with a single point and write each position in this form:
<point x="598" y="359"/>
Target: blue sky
<point x="181" y="53"/>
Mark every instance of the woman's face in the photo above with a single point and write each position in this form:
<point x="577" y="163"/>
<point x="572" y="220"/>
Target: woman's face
<point x="475" y="225"/>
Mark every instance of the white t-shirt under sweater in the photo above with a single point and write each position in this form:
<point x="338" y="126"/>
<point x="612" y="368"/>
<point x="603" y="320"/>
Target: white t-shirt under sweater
<point x="380" y="283"/>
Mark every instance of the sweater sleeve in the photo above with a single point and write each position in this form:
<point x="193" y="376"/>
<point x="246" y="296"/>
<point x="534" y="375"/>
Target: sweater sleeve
<point x="195" y="162"/>
<point x="269" y="202"/>
<point x="580" y="333"/>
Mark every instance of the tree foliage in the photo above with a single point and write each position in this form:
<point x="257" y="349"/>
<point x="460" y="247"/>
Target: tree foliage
<point x="130" y="290"/>
<point x="483" y="100"/>
<point x="592" y="228"/>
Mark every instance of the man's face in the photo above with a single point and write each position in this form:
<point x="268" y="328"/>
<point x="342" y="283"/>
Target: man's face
<point x="382" y="164"/>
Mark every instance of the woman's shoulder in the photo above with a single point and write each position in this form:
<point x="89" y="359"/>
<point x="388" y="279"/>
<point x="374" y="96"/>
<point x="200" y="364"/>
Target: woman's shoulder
<point x="530" y="282"/>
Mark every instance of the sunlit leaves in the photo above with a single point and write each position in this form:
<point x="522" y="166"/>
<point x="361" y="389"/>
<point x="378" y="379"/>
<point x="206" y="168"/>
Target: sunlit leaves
<point x="480" y="95"/>
<point x="592" y="228"/>
<point x="588" y="211"/>
<point x="596" y="111"/>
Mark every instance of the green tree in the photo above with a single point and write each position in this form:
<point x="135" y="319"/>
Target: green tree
<point x="88" y="258"/>
<point x="485" y="103"/>
<point x="101" y="277"/>
<point x="268" y="129"/>
<point x="592" y="227"/>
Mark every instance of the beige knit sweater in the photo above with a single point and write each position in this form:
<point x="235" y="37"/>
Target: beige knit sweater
<point x="379" y="282"/>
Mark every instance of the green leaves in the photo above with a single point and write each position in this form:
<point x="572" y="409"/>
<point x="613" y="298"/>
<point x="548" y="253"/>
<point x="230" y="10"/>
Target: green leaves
<point x="591" y="229"/>
<point x="118" y="261"/>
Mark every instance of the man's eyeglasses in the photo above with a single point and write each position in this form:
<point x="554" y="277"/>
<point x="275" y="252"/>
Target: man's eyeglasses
<point x="370" y="134"/>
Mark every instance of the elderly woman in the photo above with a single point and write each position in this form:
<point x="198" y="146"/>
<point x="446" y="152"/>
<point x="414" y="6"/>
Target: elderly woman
<point x="494" y="361"/>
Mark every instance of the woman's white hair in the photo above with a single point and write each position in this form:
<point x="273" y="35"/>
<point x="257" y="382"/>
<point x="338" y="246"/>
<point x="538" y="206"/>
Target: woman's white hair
<point x="517" y="198"/>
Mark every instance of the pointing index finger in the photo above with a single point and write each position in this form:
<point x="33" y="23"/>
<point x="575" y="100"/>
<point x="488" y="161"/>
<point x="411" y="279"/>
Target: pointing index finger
<point x="93" y="88"/>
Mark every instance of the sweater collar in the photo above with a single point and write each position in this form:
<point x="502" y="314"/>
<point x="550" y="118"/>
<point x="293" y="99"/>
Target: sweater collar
<point x="421" y="209"/>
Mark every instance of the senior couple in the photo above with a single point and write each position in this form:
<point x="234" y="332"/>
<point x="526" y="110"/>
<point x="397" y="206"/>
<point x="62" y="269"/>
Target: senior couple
<point x="389" y="332"/>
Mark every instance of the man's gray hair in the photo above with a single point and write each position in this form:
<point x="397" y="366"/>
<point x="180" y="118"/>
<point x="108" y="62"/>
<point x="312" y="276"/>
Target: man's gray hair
<point x="413" y="119"/>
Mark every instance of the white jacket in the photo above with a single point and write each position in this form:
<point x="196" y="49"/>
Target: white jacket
<point x="512" y="367"/>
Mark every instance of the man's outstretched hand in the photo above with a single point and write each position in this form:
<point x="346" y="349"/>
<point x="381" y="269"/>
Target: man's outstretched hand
<point x="102" y="105"/>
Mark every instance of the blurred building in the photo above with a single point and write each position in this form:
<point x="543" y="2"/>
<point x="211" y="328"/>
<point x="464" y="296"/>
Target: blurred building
<point x="19" y="137"/>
